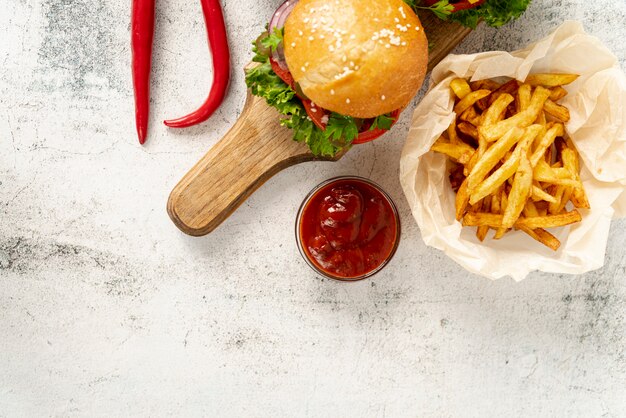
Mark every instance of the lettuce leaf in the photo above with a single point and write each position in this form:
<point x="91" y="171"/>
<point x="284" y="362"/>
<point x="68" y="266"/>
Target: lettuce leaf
<point x="493" y="12"/>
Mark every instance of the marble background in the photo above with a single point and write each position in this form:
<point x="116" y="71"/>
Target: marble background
<point x="106" y="309"/>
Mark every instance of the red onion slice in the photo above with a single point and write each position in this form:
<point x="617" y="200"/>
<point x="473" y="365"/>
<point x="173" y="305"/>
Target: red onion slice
<point x="278" y="22"/>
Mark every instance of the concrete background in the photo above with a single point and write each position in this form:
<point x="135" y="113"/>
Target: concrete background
<point x="106" y="309"/>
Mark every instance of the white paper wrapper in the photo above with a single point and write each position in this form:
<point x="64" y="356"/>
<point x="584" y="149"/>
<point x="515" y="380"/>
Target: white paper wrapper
<point x="597" y="103"/>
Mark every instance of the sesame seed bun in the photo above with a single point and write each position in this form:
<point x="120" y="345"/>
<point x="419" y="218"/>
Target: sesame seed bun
<point x="354" y="57"/>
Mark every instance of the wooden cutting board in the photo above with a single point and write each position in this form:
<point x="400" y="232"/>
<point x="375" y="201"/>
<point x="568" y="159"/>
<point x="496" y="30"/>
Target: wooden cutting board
<point x="257" y="147"/>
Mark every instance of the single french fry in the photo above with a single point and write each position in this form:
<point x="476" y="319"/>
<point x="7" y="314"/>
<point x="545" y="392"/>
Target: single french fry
<point x="543" y="237"/>
<point x="509" y="87"/>
<point x="557" y="93"/>
<point x="461" y="200"/>
<point x="491" y="220"/>
<point x="542" y="208"/>
<point x="469" y="130"/>
<point x="549" y="155"/>
<point x="454" y="139"/>
<point x="560" y="113"/>
<point x="539" y="194"/>
<point x="471" y="116"/>
<point x="567" y="195"/>
<point x="541" y="119"/>
<point x="546" y="174"/>
<point x="469" y="100"/>
<point x="482" y="231"/>
<point x="504" y="201"/>
<point x="550" y="80"/>
<point x="496" y="201"/>
<point x="524" y="94"/>
<point x="530" y="209"/>
<point x="495" y="112"/>
<point x="545" y="142"/>
<point x="521" y="120"/>
<point x="487" y="84"/>
<point x="553" y="207"/>
<point x="549" y="221"/>
<point x="570" y="163"/>
<point x="579" y="198"/>
<point x="520" y="191"/>
<point x="491" y="157"/>
<point x="495" y="180"/>
<point x="454" y="151"/>
<point x="460" y="87"/>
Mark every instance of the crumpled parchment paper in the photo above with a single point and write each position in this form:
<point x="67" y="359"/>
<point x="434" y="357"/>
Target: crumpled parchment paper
<point x="597" y="104"/>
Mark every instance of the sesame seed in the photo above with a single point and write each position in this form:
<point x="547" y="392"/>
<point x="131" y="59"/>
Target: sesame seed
<point x="382" y="97"/>
<point x="348" y="101"/>
<point x="332" y="92"/>
<point x="303" y="69"/>
<point x="293" y="44"/>
<point x="311" y="38"/>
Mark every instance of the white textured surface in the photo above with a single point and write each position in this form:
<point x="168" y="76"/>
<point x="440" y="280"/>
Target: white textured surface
<point x="106" y="309"/>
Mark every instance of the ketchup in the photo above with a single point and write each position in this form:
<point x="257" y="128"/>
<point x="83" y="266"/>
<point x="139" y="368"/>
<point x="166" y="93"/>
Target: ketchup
<point x="348" y="228"/>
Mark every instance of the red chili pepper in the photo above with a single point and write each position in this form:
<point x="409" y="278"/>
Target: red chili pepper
<point x="142" y="32"/>
<point x="218" y="42"/>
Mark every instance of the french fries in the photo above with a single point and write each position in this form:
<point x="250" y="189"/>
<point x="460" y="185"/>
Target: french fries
<point x="512" y="166"/>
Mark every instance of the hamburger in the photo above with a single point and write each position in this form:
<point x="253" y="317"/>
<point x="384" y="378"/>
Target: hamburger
<point x="340" y="71"/>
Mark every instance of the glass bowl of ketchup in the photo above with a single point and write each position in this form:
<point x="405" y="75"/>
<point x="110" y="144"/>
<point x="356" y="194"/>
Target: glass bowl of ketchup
<point x="347" y="228"/>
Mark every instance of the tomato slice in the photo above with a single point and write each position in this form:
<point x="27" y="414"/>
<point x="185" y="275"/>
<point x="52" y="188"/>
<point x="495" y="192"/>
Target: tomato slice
<point x="284" y="75"/>
<point x="316" y="113"/>
<point x="370" y="135"/>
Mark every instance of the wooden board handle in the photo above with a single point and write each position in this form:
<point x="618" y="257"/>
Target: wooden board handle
<point x="254" y="149"/>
